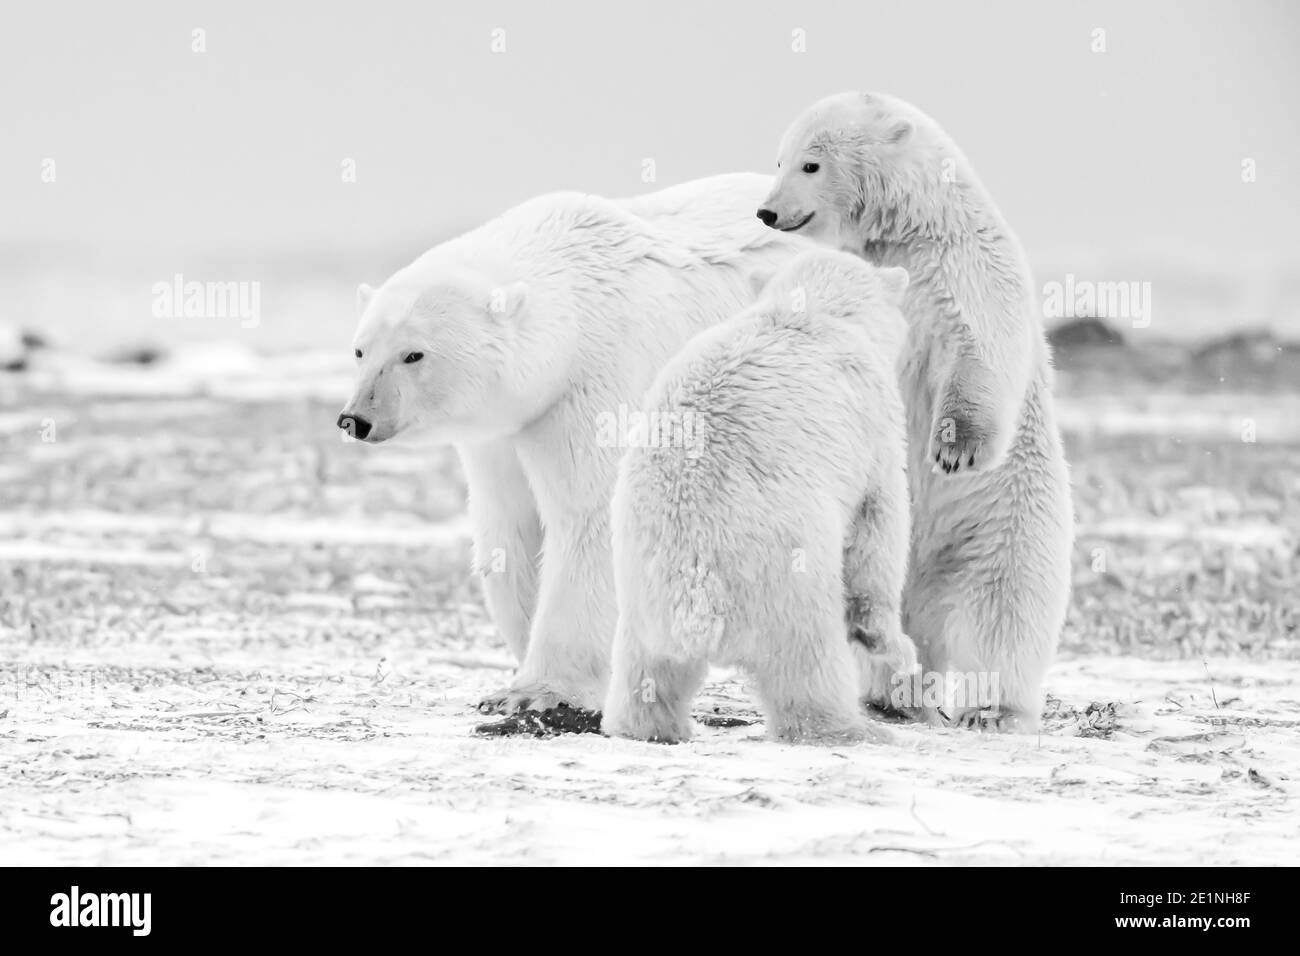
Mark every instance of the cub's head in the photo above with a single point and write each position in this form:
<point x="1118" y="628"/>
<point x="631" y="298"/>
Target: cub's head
<point x="852" y="169"/>
<point x="823" y="282"/>
<point x="440" y="358"/>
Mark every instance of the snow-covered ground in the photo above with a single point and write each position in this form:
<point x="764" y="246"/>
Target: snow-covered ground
<point x="228" y="636"/>
<point x="244" y="763"/>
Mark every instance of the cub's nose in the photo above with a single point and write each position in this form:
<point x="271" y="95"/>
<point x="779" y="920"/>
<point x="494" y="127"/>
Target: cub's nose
<point x="768" y="217"/>
<point x="354" y="425"/>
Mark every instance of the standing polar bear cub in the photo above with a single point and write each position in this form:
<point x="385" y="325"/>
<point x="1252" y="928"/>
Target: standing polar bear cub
<point x="779" y="500"/>
<point x="989" y="573"/>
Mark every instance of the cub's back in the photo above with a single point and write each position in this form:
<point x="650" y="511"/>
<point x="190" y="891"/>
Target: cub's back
<point x="776" y="408"/>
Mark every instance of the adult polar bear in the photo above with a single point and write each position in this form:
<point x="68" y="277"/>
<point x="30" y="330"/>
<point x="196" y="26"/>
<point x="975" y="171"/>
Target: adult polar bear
<point x="518" y="342"/>
<point x="992" y="524"/>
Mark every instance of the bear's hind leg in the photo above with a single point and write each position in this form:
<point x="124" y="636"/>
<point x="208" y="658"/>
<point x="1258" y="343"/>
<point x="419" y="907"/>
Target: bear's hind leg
<point x="808" y="683"/>
<point x="988" y="613"/>
<point x="992" y="662"/>
<point x="649" y="695"/>
<point x="875" y="560"/>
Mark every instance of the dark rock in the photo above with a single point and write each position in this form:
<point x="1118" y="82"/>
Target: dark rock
<point x="1256" y="345"/>
<point x="137" y="355"/>
<point x="1090" y="331"/>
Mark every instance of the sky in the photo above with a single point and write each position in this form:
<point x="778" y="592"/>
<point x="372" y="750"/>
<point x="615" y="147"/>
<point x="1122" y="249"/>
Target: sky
<point x="242" y="147"/>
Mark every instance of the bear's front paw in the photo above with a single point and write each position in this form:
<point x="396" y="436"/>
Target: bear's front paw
<point x="543" y="723"/>
<point x="534" y="708"/>
<point x="513" y="700"/>
<point x="885" y="670"/>
<point x="960" y="444"/>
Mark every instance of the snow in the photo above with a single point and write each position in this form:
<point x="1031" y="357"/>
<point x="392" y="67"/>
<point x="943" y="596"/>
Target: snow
<point x="305" y="694"/>
<point x="360" y="773"/>
<point x="228" y="526"/>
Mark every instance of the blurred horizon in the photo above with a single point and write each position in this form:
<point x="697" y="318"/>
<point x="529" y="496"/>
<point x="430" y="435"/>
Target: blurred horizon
<point x="229" y="162"/>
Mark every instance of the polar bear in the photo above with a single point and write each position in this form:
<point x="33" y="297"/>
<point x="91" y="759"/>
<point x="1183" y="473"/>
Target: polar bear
<point x="521" y="342"/>
<point x="777" y="496"/>
<point x="989" y="574"/>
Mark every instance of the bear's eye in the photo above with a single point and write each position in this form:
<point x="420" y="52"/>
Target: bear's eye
<point x="357" y="353"/>
<point x="811" y="167"/>
<point x="413" y="357"/>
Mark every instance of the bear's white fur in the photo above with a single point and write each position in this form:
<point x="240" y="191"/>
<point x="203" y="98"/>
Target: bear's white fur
<point x="989" y="574"/>
<point x="521" y="342"/>
<point x="787" y="495"/>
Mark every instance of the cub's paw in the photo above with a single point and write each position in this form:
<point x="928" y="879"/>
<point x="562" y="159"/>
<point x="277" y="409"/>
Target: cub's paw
<point x="988" y="720"/>
<point x="886" y="660"/>
<point x="654" y="728"/>
<point x="959" y="443"/>
<point x="841" y="733"/>
<point x="884" y="679"/>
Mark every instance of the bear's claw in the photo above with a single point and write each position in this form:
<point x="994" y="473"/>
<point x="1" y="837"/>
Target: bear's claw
<point x="990" y="720"/>
<point x="960" y="442"/>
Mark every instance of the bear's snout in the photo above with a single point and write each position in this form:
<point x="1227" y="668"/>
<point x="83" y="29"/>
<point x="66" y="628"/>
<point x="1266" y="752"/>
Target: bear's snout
<point x="354" y="425"/>
<point x="768" y="217"/>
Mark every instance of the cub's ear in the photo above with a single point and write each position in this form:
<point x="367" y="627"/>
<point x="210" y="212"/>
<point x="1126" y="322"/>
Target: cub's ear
<point x="364" y="294"/>
<point x="758" y="280"/>
<point x="899" y="133"/>
<point x="893" y="280"/>
<point x="507" y="300"/>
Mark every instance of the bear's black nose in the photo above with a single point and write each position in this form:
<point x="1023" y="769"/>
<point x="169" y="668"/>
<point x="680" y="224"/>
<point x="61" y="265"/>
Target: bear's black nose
<point x="768" y="217"/>
<point x="354" y="425"/>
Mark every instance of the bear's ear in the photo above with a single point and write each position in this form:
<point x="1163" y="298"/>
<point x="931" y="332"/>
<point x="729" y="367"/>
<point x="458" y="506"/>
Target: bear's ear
<point x="364" y="294"/>
<point x="758" y="280"/>
<point x="506" y="300"/>
<point x="899" y="133"/>
<point x="893" y="280"/>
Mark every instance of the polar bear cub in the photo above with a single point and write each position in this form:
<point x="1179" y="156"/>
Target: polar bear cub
<point x="773" y="504"/>
<point x="992" y="521"/>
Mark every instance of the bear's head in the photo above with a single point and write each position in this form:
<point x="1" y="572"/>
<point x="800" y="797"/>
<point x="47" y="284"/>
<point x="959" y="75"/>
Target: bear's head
<point x="857" y="167"/>
<point x="448" y="358"/>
